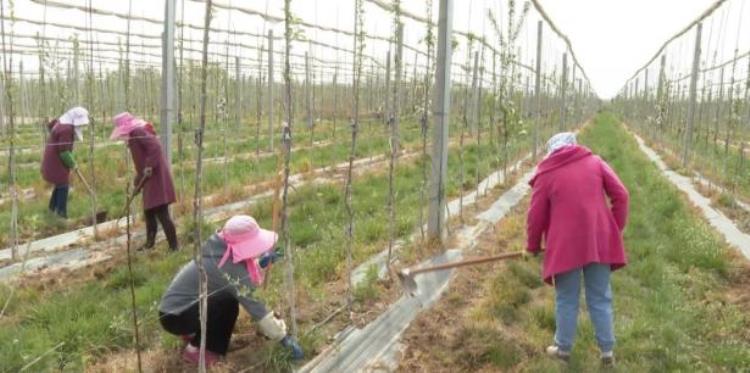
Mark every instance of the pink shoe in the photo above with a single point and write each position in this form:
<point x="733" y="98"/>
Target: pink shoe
<point x="191" y="354"/>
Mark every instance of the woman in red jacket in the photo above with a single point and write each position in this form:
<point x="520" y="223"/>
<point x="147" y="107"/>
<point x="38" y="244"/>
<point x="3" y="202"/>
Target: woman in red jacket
<point x="58" y="159"/>
<point x="582" y="234"/>
<point x="153" y="175"/>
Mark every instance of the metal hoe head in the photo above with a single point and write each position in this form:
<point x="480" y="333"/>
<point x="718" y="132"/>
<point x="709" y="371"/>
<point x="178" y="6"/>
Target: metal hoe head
<point x="407" y="282"/>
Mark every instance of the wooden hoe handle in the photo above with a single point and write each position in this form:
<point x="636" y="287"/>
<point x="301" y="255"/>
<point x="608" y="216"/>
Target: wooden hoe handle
<point x="469" y="262"/>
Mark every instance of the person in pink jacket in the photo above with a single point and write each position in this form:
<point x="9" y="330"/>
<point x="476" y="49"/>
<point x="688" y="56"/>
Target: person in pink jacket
<point x="582" y="234"/>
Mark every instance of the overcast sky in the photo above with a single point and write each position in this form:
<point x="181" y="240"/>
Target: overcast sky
<point x="611" y="38"/>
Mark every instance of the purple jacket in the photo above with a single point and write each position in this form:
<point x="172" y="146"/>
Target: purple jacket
<point x="146" y="151"/>
<point x="60" y="139"/>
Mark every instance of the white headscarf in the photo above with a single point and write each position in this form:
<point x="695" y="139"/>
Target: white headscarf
<point x="560" y="141"/>
<point x="77" y="117"/>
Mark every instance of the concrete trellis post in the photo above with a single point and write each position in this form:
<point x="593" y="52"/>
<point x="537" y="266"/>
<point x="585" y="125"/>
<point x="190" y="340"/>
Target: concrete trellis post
<point x="397" y="91"/>
<point x="270" y="90"/>
<point x="334" y="90"/>
<point x="574" y="93"/>
<point x="538" y="86"/>
<point x="691" y="103"/>
<point x="719" y="106"/>
<point x="635" y="98"/>
<point x="644" y="98"/>
<point x="441" y="112"/>
<point x="76" y="73"/>
<point x="387" y="102"/>
<point x="582" y="100"/>
<point x="474" y="102"/>
<point x="168" y="79"/>
<point x="308" y="96"/>
<point x="563" y="89"/>
<point x="660" y="102"/>
<point x="238" y="92"/>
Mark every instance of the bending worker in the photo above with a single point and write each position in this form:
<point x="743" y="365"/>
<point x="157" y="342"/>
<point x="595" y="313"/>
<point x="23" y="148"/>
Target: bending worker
<point x="233" y="259"/>
<point x="58" y="159"/>
<point x="583" y="237"/>
<point x="153" y="175"/>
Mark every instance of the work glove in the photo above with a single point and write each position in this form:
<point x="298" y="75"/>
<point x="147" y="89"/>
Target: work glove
<point x="270" y="257"/>
<point x="68" y="160"/>
<point x="294" y="348"/>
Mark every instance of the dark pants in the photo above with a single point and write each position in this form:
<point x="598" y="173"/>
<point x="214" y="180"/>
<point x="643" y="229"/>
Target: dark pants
<point x="222" y="314"/>
<point x="162" y="214"/>
<point x="58" y="203"/>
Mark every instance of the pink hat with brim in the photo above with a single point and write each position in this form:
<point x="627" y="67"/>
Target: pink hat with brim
<point x="246" y="241"/>
<point x="124" y="124"/>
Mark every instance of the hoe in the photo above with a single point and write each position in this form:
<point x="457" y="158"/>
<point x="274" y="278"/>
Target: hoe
<point x="100" y="215"/>
<point x="406" y="276"/>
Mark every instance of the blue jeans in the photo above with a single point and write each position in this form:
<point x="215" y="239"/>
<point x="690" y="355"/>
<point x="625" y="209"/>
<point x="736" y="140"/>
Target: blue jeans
<point x="58" y="202"/>
<point x="598" y="299"/>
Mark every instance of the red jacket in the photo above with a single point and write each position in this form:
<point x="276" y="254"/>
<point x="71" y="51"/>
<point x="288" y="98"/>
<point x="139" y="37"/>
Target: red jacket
<point x="60" y="139"/>
<point x="569" y="208"/>
<point x="146" y="151"/>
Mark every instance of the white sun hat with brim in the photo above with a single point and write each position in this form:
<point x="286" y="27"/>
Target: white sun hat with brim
<point x="77" y="116"/>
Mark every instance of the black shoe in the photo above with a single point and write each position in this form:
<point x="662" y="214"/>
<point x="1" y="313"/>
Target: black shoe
<point x="147" y="246"/>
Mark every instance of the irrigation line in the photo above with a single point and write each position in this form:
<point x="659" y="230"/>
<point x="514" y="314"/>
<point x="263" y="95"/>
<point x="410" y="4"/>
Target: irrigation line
<point x="394" y="128"/>
<point x="197" y="201"/>
<point x="155" y="21"/>
<point x="131" y="279"/>
<point x="8" y="86"/>
<point x="424" y="119"/>
<point x="711" y="9"/>
<point x="358" y="46"/>
<point x="92" y="138"/>
<point x="287" y="145"/>
<point x="39" y="358"/>
<point x="562" y="36"/>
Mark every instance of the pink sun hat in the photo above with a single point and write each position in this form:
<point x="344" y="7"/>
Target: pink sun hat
<point x="246" y="241"/>
<point x="124" y="124"/>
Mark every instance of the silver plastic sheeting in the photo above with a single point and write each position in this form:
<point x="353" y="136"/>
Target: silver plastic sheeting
<point x="377" y="347"/>
<point x="734" y="236"/>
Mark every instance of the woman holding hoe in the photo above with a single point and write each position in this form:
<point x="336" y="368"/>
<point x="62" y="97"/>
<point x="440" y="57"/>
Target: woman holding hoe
<point x="153" y="175"/>
<point x="58" y="157"/>
<point x="583" y="236"/>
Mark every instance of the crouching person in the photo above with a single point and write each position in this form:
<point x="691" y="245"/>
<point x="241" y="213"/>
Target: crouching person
<point x="233" y="258"/>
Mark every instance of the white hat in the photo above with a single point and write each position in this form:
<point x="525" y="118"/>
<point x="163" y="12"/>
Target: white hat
<point x="77" y="116"/>
<point x="560" y="141"/>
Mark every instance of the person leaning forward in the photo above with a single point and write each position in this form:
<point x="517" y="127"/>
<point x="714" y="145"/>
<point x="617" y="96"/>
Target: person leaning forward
<point x="153" y="175"/>
<point x="583" y="236"/>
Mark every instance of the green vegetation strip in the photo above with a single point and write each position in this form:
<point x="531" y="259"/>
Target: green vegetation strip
<point x="678" y="305"/>
<point x="93" y="318"/>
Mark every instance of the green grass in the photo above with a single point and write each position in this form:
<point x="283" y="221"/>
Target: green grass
<point x="671" y="314"/>
<point x="94" y="318"/>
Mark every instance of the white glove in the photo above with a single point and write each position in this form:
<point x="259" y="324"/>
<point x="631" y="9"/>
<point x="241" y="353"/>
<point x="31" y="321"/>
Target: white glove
<point x="272" y="327"/>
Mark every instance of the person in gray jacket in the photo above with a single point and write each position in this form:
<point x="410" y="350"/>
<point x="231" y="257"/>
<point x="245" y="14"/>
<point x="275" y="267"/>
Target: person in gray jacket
<point x="230" y="284"/>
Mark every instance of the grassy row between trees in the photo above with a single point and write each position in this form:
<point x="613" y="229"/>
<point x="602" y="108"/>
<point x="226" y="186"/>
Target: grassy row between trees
<point x="680" y="305"/>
